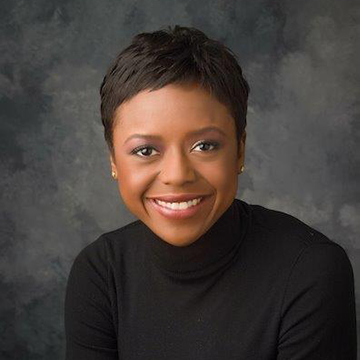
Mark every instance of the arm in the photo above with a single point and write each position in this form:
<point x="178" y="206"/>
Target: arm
<point x="318" y="312"/>
<point x="89" y="323"/>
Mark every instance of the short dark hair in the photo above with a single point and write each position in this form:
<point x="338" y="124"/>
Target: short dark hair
<point x="176" y="55"/>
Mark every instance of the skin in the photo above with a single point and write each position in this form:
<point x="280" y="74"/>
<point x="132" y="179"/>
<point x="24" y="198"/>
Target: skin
<point x="177" y="163"/>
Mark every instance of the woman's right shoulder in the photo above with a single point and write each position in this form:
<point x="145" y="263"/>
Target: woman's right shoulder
<point x="106" y="246"/>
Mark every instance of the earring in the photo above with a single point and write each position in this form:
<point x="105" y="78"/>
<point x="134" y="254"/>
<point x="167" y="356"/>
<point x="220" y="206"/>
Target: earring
<point x="241" y="169"/>
<point x="113" y="174"/>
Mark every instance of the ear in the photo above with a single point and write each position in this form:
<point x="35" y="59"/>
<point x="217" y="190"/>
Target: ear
<point x="112" y="163"/>
<point x="241" y="153"/>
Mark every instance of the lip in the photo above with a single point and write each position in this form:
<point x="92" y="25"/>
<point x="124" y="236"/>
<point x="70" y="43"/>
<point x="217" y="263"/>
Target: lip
<point x="178" y="197"/>
<point x="179" y="214"/>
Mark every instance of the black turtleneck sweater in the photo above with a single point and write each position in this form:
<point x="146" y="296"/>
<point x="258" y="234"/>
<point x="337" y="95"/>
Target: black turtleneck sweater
<point x="258" y="285"/>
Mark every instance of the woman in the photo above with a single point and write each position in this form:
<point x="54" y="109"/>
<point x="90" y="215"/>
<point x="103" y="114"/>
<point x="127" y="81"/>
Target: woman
<point x="200" y="274"/>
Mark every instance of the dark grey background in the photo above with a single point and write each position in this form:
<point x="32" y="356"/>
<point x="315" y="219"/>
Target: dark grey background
<point x="302" y="62"/>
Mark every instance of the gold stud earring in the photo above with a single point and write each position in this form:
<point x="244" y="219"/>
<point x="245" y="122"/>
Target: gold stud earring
<point x="113" y="174"/>
<point x="241" y="169"/>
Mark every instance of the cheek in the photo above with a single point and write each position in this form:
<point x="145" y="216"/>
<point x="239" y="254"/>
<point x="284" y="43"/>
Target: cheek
<point x="223" y="175"/>
<point x="132" y="182"/>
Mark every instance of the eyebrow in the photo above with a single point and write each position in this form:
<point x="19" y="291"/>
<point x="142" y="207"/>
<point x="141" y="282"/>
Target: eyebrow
<point x="194" y="133"/>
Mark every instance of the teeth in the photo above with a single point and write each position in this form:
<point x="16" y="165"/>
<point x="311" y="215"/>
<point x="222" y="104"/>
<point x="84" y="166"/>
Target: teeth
<point x="178" y="206"/>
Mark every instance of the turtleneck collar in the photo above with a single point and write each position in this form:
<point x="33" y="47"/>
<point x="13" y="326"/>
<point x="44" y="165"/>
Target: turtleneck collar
<point x="210" y="252"/>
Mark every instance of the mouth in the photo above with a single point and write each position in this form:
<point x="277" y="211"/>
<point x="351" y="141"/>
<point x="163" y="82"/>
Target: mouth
<point x="179" y="210"/>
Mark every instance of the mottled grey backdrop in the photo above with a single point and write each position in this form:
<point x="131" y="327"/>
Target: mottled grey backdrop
<point x="302" y="62"/>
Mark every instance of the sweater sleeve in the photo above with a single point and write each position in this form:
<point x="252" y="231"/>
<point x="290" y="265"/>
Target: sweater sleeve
<point x="89" y="326"/>
<point x="318" y="312"/>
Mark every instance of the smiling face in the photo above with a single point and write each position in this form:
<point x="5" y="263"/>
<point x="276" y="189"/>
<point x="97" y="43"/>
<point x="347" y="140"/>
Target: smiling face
<point x="178" y="159"/>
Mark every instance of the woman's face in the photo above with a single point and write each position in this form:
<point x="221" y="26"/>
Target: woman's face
<point x="174" y="158"/>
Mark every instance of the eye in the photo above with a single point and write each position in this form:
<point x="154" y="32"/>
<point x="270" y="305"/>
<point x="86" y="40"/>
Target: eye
<point x="145" y="151"/>
<point x="205" y="145"/>
<point x="141" y="150"/>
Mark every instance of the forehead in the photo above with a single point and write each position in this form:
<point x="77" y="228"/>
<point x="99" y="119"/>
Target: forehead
<point x="174" y="107"/>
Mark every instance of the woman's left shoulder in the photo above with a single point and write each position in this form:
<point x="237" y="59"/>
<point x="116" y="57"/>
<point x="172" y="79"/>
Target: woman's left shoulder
<point x="283" y="232"/>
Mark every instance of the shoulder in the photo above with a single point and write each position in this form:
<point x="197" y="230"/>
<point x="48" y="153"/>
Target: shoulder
<point x="282" y="227"/>
<point x="278" y="223"/>
<point x="102" y="251"/>
<point x="283" y="238"/>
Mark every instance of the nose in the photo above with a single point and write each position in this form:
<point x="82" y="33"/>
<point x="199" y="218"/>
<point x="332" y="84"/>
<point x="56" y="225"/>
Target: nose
<point x="176" y="168"/>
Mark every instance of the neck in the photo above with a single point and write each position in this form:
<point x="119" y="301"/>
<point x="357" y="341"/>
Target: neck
<point x="211" y="251"/>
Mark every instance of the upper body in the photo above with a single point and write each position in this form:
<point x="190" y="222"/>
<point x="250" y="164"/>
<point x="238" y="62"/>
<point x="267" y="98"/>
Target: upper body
<point x="259" y="284"/>
<point x="200" y="275"/>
